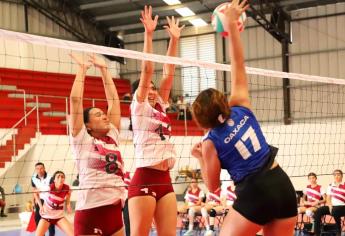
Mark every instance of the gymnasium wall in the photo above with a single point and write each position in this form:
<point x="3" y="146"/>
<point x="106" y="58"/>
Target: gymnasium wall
<point x="36" y="57"/>
<point x="318" y="48"/>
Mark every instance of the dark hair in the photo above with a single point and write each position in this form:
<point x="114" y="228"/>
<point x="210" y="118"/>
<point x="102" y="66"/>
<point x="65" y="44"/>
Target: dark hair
<point x="56" y="173"/>
<point x="39" y="164"/>
<point x="135" y="85"/>
<point x="312" y="174"/>
<point x="207" y="107"/>
<point x="86" y="114"/>
<point x="339" y="171"/>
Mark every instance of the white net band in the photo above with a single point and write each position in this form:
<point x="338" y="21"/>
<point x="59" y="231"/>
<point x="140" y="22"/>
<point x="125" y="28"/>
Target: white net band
<point x="90" y="48"/>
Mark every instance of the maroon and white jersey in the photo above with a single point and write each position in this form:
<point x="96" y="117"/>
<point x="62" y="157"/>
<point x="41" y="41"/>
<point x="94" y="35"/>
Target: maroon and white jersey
<point x="337" y="193"/>
<point x="314" y="193"/>
<point x="214" y="197"/>
<point x="193" y="197"/>
<point x="230" y="196"/>
<point x="100" y="168"/>
<point x="151" y="133"/>
<point x="54" y="202"/>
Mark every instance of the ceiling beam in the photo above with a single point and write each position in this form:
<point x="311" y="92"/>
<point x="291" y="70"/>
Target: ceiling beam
<point x="137" y="12"/>
<point x="108" y="3"/>
<point x="161" y="22"/>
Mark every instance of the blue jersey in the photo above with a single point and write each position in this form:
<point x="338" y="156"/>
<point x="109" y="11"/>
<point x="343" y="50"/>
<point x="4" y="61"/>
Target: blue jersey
<point x="240" y="144"/>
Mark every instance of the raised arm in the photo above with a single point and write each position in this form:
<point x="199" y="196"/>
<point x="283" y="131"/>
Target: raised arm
<point x="174" y="32"/>
<point x="239" y="84"/>
<point x="147" y="67"/>
<point x="76" y="120"/>
<point x="114" y="110"/>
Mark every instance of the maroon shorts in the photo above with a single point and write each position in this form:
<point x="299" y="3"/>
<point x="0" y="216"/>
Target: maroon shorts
<point x="103" y="220"/>
<point x="2" y="203"/>
<point x="150" y="182"/>
<point x="52" y="221"/>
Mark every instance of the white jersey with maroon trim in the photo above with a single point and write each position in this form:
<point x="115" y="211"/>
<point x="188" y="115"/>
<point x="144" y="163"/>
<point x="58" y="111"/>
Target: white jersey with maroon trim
<point x="54" y="202"/>
<point x="151" y="134"/>
<point x="230" y="196"/>
<point x="193" y="197"/>
<point x="314" y="193"/>
<point x="100" y="168"/>
<point x="337" y="193"/>
<point x="214" y="197"/>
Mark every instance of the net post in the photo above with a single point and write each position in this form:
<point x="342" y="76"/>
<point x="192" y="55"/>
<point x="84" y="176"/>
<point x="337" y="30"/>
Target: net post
<point x="38" y="115"/>
<point x="286" y="83"/>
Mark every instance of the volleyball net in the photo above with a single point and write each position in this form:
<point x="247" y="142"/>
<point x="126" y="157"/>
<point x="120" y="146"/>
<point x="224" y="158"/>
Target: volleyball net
<point x="304" y="119"/>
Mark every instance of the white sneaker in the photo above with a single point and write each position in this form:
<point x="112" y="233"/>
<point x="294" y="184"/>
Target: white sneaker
<point x="189" y="233"/>
<point x="208" y="233"/>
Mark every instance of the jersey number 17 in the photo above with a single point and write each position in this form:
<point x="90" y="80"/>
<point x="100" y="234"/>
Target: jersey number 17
<point x="241" y="147"/>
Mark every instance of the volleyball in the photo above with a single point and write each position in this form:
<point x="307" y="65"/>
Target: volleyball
<point x="219" y="23"/>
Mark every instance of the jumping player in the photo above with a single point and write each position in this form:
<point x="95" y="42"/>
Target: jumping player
<point x="235" y="142"/>
<point x="151" y="195"/>
<point x="95" y="146"/>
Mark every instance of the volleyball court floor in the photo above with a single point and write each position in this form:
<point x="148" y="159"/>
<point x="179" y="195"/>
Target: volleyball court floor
<point x="11" y="226"/>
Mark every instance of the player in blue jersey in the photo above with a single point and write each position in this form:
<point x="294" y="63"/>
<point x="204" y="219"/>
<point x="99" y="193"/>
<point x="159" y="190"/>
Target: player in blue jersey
<point x="265" y="195"/>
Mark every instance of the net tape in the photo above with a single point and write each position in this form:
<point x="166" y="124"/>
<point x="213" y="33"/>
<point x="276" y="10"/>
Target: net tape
<point x="91" y="48"/>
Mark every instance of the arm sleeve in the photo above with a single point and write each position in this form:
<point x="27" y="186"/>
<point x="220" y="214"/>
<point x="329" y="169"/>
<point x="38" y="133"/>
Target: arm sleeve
<point x="33" y="184"/>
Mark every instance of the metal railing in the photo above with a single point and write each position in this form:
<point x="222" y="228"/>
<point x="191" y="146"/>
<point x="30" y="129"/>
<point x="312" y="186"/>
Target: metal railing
<point x="94" y="102"/>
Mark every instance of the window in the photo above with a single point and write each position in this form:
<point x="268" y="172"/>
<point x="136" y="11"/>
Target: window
<point x="195" y="79"/>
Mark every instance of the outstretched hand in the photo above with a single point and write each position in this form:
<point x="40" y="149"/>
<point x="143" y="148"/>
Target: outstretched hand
<point x="146" y="18"/>
<point x="83" y="64"/>
<point x="173" y="28"/>
<point x="234" y="10"/>
<point x="97" y="61"/>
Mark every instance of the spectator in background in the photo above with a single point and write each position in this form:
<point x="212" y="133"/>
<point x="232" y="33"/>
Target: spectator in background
<point x="314" y="195"/>
<point x="335" y="203"/>
<point x="229" y="197"/>
<point x="183" y="109"/>
<point x="172" y="106"/>
<point x="193" y="199"/>
<point x="127" y="97"/>
<point x="76" y="181"/>
<point x="40" y="183"/>
<point x="2" y="202"/>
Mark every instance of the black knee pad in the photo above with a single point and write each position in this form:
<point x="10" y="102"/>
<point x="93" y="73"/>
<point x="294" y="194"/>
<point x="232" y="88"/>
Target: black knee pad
<point x="213" y="213"/>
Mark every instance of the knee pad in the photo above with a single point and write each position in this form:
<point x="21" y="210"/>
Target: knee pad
<point x="213" y="213"/>
<point x="191" y="211"/>
<point x="309" y="213"/>
<point x="204" y="212"/>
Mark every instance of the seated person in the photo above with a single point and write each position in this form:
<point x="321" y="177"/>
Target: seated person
<point x="212" y="207"/>
<point x="193" y="200"/>
<point x="2" y="202"/>
<point x="127" y="97"/>
<point x="314" y="196"/>
<point x="335" y="203"/>
<point x="25" y="216"/>
<point x="229" y="197"/>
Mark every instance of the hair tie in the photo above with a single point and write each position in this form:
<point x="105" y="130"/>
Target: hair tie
<point x="221" y="119"/>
